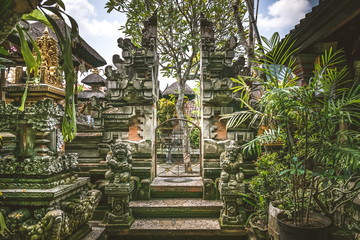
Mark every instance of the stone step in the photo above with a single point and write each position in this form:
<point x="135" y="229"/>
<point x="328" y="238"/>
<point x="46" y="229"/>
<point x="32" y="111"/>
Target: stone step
<point x="85" y="167"/>
<point x="178" y="228"/>
<point x="176" y="224"/>
<point x="89" y="160"/>
<point x="179" y="207"/>
<point x="177" y="187"/>
<point x="84" y="153"/>
<point x="141" y="172"/>
<point x="97" y="231"/>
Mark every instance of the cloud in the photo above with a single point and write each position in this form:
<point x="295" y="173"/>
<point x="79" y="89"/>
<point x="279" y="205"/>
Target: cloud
<point x="283" y="14"/>
<point x="86" y="16"/>
<point x="79" y="8"/>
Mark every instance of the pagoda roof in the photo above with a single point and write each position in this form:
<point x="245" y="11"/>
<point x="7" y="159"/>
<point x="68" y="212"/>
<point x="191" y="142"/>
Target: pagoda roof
<point x="173" y="89"/>
<point x="94" y="79"/>
<point x="81" y="51"/>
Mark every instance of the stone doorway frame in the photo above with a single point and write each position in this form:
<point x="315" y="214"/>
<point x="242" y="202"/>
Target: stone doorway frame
<point x="200" y="145"/>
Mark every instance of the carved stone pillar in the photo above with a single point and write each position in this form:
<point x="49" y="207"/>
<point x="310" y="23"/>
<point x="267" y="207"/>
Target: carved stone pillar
<point x="119" y="188"/>
<point x="233" y="214"/>
<point x="119" y="196"/>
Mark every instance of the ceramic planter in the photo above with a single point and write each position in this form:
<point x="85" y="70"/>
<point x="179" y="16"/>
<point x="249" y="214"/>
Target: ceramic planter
<point x="273" y="226"/>
<point x="291" y="232"/>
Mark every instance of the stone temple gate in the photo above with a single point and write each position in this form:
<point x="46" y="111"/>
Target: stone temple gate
<point x="126" y="156"/>
<point x="127" y="111"/>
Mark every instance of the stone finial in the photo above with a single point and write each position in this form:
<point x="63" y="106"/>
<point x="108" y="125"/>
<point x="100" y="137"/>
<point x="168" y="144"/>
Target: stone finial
<point x="231" y="43"/>
<point x="150" y="27"/>
<point x="206" y="28"/>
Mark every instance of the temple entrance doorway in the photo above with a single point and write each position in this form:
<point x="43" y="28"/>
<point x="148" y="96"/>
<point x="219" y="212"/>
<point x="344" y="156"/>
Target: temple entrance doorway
<point x="178" y="149"/>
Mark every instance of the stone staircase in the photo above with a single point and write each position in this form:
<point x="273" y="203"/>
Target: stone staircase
<point x="177" y="211"/>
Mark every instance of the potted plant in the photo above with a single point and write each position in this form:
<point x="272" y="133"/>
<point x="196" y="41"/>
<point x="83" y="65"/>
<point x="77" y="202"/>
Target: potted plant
<point x="309" y="119"/>
<point x="266" y="187"/>
<point x="258" y="218"/>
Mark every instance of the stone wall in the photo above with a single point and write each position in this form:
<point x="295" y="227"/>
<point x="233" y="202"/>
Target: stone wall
<point x="217" y="68"/>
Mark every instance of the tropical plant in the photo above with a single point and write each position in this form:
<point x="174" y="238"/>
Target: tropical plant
<point x="65" y="40"/>
<point x="268" y="183"/>
<point x="311" y="119"/>
<point x="3" y="60"/>
<point x="166" y="110"/>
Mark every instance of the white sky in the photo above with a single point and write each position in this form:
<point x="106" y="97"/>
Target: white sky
<point x="100" y="29"/>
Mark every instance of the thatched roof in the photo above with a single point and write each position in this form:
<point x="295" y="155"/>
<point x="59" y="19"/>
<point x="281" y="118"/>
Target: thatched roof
<point x="173" y="89"/>
<point x="94" y="79"/>
<point x="81" y="50"/>
<point x="85" y="95"/>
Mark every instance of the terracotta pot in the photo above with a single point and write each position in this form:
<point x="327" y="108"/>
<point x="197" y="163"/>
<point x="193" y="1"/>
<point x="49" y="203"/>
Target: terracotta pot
<point x="273" y="226"/>
<point x="292" y="232"/>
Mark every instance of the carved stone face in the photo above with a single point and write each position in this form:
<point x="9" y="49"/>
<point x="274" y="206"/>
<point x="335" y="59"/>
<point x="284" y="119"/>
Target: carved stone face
<point x="232" y="154"/>
<point x="120" y="151"/>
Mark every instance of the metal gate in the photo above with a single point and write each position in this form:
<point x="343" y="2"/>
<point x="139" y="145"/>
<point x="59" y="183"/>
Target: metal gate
<point x="178" y="149"/>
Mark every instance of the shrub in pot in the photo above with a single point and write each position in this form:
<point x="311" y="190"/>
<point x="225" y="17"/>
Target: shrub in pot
<point x="269" y="186"/>
<point x="258" y="218"/>
<point x="310" y="119"/>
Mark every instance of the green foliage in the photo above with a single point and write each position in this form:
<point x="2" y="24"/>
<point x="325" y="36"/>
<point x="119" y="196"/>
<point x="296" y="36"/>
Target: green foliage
<point x="195" y="138"/>
<point x="5" y="4"/>
<point x="66" y="42"/>
<point x="32" y="62"/>
<point x="312" y="121"/>
<point x="268" y="186"/>
<point x="2" y="224"/>
<point x="4" y="60"/>
<point x="36" y="15"/>
<point x="80" y="88"/>
<point x="166" y="110"/>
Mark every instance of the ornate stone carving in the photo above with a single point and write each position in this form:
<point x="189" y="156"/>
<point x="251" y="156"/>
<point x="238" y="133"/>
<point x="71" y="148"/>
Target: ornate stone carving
<point x="150" y="32"/>
<point x="233" y="214"/>
<point x="231" y="163"/>
<point x="38" y="165"/>
<point x="53" y="223"/>
<point x="119" y="196"/>
<point x="49" y="59"/>
<point x="120" y="186"/>
<point x="42" y="116"/>
<point x="119" y="160"/>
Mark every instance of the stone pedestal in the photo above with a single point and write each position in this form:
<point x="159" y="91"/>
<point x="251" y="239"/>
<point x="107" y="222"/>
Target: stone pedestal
<point x="119" y="196"/>
<point x="42" y="198"/>
<point x="233" y="215"/>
